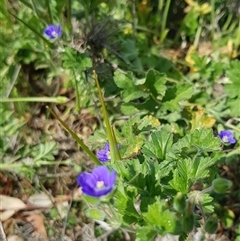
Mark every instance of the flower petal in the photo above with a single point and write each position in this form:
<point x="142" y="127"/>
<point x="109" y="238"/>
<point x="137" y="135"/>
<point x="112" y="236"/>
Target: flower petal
<point x="99" y="172"/>
<point x="103" y="155"/>
<point x="53" y="31"/>
<point x="227" y="137"/>
<point x="89" y="181"/>
<point x="107" y="146"/>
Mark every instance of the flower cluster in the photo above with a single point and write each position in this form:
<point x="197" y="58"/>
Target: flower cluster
<point x="104" y="154"/>
<point x="227" y="137"/>
<point x="98" y="183"/>
<point x="53" y="31"/>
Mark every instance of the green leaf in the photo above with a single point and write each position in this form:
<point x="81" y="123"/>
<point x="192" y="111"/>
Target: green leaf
<point x="189" y="171"/>
<point x="131" y="135"/>
<point x="44" y="151"/>
<point x="199" y="140"/>
<point x="152" y="86"/>
<point x="200" y="167"/>
<point x="155" y="83"/>
<point x="145" y="233"/>
<point x="124" y="203"/>
<point x="163" y="169"/>
<point x="95" y="214"/>
<point x="159" y="144"/>
<point x="75" y="60"/>
<point x="128" y="109"/>
<point x="179" y="181"/>
<point x="153" y="215"/>
<point x="176" y="94"/>
<point x="91" y="200"/>
<point x="234" y="105"/>
<point x="144" y="177"/>
<point x="126" y="82"/>
<point x="148" y="122"/>
<point x="157" y="216"/>
<point x="233" y="89"/>
<point x="207" y="203"/>
<point x="203" y="199"/>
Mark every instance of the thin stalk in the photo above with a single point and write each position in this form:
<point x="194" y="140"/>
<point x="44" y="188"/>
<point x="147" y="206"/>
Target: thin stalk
<point x="116" y="146"/>
<point x="58" y="99"/>
<point x="198" y="34"/>
<point x="134" y="19"/>
<point x="224" y="123"/>
<point x="27" y="4"/>
<point x="164" y="20"/>
<point x="111" y="140"/>
<point x="34" y="8"/>
<point x="31" y="28"/>
<point x="69" y="13"/>
<point x="47" y="2"/>
<point x="77" y="139"/>
<point x="77" y="91"/>
<point x="209" y="189"/>
<point x="213" y="18"/>
<point x="12" y="166"/>
<point x="160" y="5"/>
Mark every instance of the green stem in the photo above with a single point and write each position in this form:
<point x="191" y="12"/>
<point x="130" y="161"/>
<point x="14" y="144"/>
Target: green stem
<point x="198" y="34"/>
<point x="11" y="166"/>
<point x="164" y="20"/>
<point x="77" y="91"/>
<point x="134" y="19"/>
<point x="34" y="8"/>
<point x="58" y="99"/>
<point x="78" y="140"/>
<point x="209" y="189"/>
<point x="40" y="35"/>
<point x="69" y="14"/>
<point x="213" y="18"/>
<point x="49" y="11"/>
<point x="215" y="114"/>
<point x="113" y="145"/>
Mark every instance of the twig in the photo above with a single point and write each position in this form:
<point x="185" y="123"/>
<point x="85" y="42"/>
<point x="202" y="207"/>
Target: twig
<point x="62" y="174"/>
<point x="2" y="233"/>
<point x="66" y="218"/>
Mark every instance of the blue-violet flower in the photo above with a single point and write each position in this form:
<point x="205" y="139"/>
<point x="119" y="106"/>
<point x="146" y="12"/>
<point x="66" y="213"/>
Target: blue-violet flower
<point x="98" y="183"/>
<point x="227" y="137"/>
<point x="53" y="31"/>
<point x="104" y="154"/>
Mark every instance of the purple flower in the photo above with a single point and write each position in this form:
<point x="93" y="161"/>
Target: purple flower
<point x="226" y="137"/>
<point x="53" y="32"/>
<point x="104" y="154"/>
<point x="98" y="183"/>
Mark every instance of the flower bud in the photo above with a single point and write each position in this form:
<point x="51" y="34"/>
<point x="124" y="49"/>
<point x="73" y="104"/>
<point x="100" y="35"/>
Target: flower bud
<point x="179" y="202"/>
<point x="211" y="225"/>
<point x="188" y="223"/>
<point x="221" y="185"/>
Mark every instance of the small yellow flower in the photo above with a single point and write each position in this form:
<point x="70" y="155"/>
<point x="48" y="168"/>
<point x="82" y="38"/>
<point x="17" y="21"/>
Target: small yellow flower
<point x="190" y="60"/>
<point x="143" y="7"/>
<point x="205" y="9"/>
<point x="128" y="30"/>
